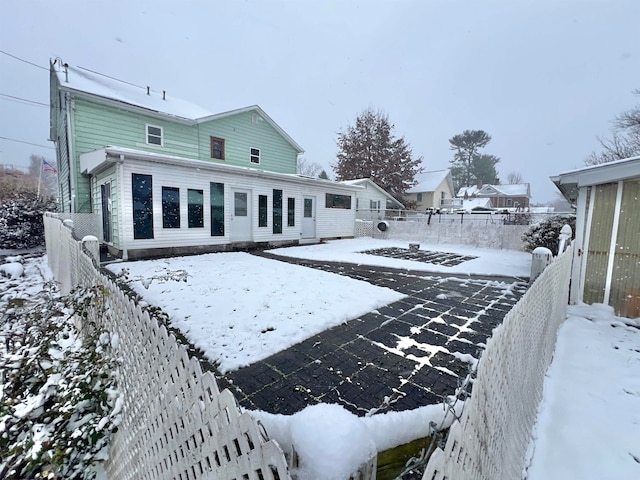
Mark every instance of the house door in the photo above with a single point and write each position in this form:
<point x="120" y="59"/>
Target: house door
<point x="105" y="194"/>
<point x="241" y="216"/>
<point x="309" y="218"/>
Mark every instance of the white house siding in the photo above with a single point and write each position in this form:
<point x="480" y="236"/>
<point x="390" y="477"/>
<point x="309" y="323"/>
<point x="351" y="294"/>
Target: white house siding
<point x="334" y="222"/>
<point x="364" y="198"/>
<point x="330" y="223"/>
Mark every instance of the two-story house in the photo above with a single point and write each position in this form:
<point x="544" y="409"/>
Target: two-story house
<point x="433" y="191"/>
<point x="168" y="177"/>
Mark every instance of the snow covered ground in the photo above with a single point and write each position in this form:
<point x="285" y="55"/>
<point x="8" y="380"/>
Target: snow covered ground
<point x="488" y="262"/>
<point x="589" y="419"/>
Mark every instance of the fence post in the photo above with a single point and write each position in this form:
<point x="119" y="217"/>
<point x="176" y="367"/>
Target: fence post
<point x="540" y="258"/>
<point x="565" y="237"/>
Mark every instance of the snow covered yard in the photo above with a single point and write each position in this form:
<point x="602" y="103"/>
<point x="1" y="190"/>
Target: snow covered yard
<point x="239" y="308"/>
<point x="589" y="419"/>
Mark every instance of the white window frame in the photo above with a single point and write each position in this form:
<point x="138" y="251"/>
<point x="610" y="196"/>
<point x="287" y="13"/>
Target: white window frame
<point x="252" y="156"/>
<point x="147" y="135"/>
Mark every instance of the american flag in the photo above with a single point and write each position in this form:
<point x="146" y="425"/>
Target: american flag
<point x="47" y="167"/>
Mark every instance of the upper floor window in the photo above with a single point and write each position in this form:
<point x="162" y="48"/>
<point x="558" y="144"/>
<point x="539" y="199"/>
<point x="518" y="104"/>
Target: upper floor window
<point x="154" y="135"/>
<point x="217" y="148"/>
<point x="419" y="197"/>
<point x="255" y="155"/>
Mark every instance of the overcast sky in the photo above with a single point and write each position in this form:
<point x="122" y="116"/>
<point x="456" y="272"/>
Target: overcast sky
<point x="544" y="78"/>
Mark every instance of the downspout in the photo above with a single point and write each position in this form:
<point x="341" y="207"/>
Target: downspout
<point x="121" y="228"/>
<point x="71" y="150"/>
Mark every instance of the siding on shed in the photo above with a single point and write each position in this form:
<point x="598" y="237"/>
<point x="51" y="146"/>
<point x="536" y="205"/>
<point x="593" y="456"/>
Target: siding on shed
<point x="604" y="200"/>
<point x="625" y="289"/>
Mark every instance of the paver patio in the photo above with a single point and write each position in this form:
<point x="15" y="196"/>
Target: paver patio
<point x="410" y="353"/>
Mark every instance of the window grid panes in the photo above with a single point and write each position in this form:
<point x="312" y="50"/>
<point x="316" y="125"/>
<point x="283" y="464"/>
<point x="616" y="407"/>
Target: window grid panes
<point x="195" y="199"/>
<point x="217" y="148"/>
<point x="255" y="155"/>
<point x="170" y="207"/>
<point x="154" y="135"/>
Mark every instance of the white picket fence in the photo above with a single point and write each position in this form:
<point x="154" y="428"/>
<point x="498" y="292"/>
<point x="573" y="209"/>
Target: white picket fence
<point x="491" y="440"/>
<point x="175" y="422"/>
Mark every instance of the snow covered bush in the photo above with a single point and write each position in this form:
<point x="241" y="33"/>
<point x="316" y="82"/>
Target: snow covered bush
<point x="59" y="403"/>
<point x="21" y="224"/>
<point x="546" y="233"/>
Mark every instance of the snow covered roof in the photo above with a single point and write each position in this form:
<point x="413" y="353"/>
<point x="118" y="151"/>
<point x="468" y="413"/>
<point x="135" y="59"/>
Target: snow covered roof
<point x="86" y="81"/>
<point x="509" y="190"/>
<point x="468" y="190"/>
<point x="429" y="181"/>
<point x="97" y="160"/>
<point x="569" y="182"/>
<point x="472" y="203"/>
<point x="363" y="182"/>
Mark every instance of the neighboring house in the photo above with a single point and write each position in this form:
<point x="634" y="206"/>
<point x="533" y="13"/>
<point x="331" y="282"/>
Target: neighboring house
<point x="433" y="190"/>
<point x="606" y="256"/>
<point x="511" y="196"/>
<point x="373" y="201"/>
<point x="166" y="176"/>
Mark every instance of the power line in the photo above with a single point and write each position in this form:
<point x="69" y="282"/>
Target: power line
<point x="23" y="60"/>
<point x="27" y="143"/>
<point x="112" y="78"/>
<point x="11" y="97"/>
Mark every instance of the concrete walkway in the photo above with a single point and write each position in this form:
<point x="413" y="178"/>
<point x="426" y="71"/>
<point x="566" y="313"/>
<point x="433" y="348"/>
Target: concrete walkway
<point x="410" y="353"/>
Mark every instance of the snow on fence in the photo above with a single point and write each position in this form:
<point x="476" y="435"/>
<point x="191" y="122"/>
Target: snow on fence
<point x="491" y="439"/>
<point x="175" y="421"/>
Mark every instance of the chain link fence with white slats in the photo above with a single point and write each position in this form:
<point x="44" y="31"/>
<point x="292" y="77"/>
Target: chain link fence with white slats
<point x="491" y="440"/>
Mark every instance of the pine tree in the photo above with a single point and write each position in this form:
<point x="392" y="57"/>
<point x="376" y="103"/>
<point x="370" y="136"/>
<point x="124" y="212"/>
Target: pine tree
<point x="369" y="149"/>
<point x="469" y="165"/>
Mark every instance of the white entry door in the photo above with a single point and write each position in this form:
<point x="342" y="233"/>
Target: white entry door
<point x="241" y="216"/>
<point x="309" y="218"/>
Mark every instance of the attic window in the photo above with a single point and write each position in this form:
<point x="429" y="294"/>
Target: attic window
<point x="255" y="155"/>
<point x="217" y="148"/>
<point x="154" y="135"/>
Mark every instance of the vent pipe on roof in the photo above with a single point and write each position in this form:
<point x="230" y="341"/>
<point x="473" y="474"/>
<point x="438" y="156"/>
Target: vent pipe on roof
<point x="164" y="94"/>
<point x="66" y="72"/>
<point x="148" y="90"/>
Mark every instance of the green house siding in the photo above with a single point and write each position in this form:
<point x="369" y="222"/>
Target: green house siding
<point x="241" y="133"/>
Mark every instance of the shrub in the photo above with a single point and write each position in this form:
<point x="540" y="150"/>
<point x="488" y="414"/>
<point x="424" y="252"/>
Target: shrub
<point x="21" y="224"/>
<point x="59" y="404"/>
<point x="547" y="233"/>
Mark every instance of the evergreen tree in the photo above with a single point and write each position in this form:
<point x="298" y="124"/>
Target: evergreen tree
<point x="323" y="175"/>
<point x="469" y="165"/>
<point x="368" y="149"/>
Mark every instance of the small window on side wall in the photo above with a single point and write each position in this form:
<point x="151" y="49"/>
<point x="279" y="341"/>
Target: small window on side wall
<point x="217" y="148"/>
<point x="154" y="135"/>
<point x="255" y="155"/>
<point x="337" y="201"/>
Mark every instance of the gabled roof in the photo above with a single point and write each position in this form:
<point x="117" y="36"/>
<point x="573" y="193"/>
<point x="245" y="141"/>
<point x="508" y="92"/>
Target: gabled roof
<point x="508" y="190"/>
<point x="130" y="96"/>
<point x="363" y="182"/>
<point x="430" y="181"/>
<point x="470" y="191"/>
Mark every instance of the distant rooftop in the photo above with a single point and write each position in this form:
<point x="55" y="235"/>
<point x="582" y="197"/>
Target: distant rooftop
<point x="429" y="181"/>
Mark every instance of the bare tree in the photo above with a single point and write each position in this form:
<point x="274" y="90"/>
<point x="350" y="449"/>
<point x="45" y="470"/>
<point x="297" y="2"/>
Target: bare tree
<point x="514" y="178"/>
<point x="624" y="141"/>
<point x="308" y="168"/>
